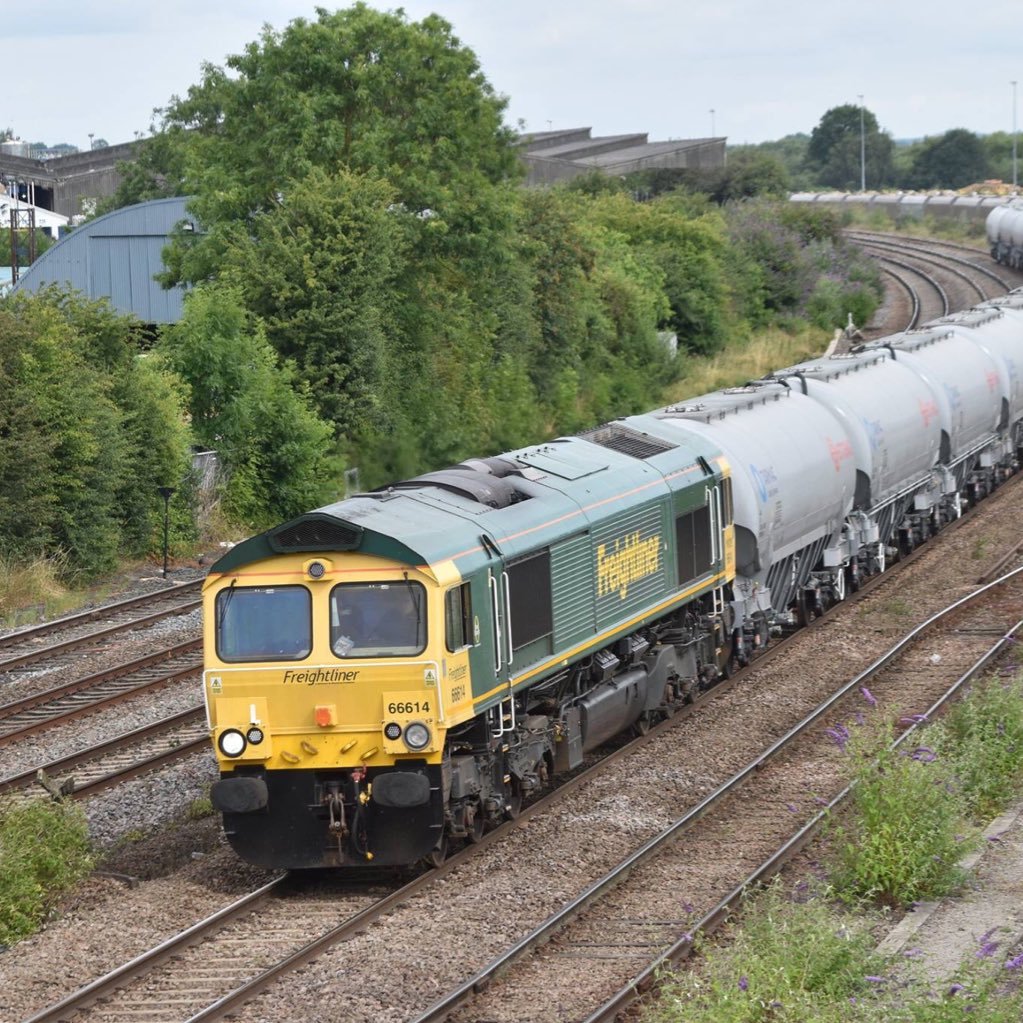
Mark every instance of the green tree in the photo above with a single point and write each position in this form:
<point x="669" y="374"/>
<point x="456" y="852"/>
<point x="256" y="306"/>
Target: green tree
<point x="277" y="454"/>
<point x="355" y="89"/>
<point x="87" y="433"/>
<point x="952" y="160"/>
<point x="320" y="269"/>
<point x="844" y="134"/>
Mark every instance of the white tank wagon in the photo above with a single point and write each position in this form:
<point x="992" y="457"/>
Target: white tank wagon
<point x="1005" y="233"/>
<point x="794" y="483"/>
<point x="890" y="419"/>
<point x="971" y="393"/>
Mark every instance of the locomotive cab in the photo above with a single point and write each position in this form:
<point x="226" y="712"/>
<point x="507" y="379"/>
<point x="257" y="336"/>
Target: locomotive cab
<point x="327" y="683"/>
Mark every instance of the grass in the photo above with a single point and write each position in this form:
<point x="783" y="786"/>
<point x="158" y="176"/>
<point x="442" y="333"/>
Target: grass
<point x="737" y="364"/>
<point x="29" y="590"/>
<point x="795" y="959"/>
<point x="44" y="850"/>
<point x="802" y="960"/>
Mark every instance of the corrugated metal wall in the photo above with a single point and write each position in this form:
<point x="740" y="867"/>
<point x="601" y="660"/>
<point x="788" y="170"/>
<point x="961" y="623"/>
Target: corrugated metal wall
<point x="117" y="257"/>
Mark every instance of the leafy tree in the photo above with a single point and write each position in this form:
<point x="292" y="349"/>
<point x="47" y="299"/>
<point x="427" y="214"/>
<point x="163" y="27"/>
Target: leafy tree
<point x="837" y="143"/>
<point x="357" y="89"/>
<point x="86" y="433"/>
<point x="320" y="268"/>
<point x="242" y="403"/>
<point x="952" y="160"/>
<point x="42" y="242"/>
<point x="998" y="149"/>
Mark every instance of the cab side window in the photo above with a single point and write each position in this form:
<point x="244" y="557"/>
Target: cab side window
<point x="458" y="630"/>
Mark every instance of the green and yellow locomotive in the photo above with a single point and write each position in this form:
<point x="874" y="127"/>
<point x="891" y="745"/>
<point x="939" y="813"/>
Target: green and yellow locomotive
<point x="397" y="670"/>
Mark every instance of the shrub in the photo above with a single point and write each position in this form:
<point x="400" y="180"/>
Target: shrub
<point x="983" y="738"/>
<point x="907" y="829"/>
<point x="44" y="850"/>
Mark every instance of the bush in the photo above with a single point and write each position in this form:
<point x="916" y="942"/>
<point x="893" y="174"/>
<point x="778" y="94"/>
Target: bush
<point x="983" y="738"/>
<point x="908" y="828"/>
<point x="790" y="961"/>
<point x="44" y="850"/>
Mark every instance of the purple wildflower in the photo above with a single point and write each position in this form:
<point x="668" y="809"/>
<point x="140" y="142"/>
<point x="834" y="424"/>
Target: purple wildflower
<point x="687" y="907"/>
<point x="820" y="800"/>
<point x="987" y="949"/>
<point x="743" y="983"/>
<point x="913" y="953"/>
<point x="875" y="980"/>
<point x="956" y="988"/>
<point x="1015" y="963"/>
<point x="792" y="808"/>
<point x="868" y="696"/>
<point x="913" y="719"/>
<point x="924" y="754"/>
<point x="839" y="734"/>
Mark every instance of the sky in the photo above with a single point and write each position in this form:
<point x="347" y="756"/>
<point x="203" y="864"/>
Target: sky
<point x="750" y="70"/>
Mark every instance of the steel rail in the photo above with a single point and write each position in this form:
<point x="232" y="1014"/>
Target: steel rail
<point x="443" y="1007"/>
<point x="104" y="610"/>
<point x="890" y="241"/>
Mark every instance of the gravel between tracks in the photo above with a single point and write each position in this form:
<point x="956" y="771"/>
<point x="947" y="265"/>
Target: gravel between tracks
<point x="472" y="912"/>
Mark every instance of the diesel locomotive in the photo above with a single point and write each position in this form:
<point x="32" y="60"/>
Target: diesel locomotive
<point x="399" y="670"/>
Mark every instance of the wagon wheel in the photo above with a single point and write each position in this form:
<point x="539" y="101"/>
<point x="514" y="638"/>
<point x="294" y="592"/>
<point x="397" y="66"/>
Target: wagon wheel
<point x="838" y="586"/>
<point x="436" y="856"/>
<point x="474" y="833"/>
<point x="513" y="804"/>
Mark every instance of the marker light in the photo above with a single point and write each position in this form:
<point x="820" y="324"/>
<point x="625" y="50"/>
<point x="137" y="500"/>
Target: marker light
<point x="417" y="736"/>
<point x="254" y="735"/>
<point x="317" y="570"/>
<point x="231" y="743"/>
<point x="392" y="730"/>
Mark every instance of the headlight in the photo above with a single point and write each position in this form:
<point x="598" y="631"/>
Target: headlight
<point x="417" y="736"/>
<point x="254" y="735"/>
<point x="392" y="730"/>
<point x="231" y="743"/>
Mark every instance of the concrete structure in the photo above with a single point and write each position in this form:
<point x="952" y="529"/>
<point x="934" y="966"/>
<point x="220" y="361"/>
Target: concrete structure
<point x="68" y="185"/>
<point x="117" y="257"/>
<point x="553" y="156"/>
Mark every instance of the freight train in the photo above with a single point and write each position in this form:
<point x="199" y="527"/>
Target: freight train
<point x="1005" y="233"/>
<point x="397" y="671"/>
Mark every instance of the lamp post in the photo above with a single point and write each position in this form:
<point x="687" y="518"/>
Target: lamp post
<point x="166" y="493"/>
<point x="863" y="151"/>
<point x="1015" y="173"/>
<point x="712" y="132"/>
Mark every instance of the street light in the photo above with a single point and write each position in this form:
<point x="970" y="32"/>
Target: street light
<point x="863" y="151"/>
<point x="166" y="493"/>
<point x="1015" y="174"/>
<point x="713" y="134"/>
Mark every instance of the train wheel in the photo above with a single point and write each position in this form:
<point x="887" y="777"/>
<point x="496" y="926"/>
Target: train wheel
<point x="439" y="854"/>
<point x="475" y="831"/>
<point x="804" y="608"/>
<point x="513" y="804"/>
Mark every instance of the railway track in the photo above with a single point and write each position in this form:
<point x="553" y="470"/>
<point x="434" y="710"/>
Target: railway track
<point x="933" y="278"/>
<point x="473" y="873"/>
<point x="117" y="760"/>
<point x="25" y="648"/>
<point x="72" y="700"/>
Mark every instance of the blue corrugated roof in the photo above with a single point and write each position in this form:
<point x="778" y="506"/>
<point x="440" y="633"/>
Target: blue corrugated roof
<point x="117" y="256"/>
